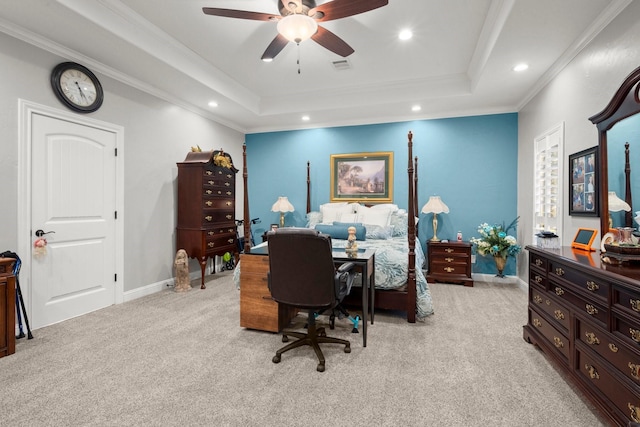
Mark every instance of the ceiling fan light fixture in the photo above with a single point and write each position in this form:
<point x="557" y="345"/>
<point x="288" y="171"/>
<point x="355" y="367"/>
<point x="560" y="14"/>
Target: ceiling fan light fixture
<point x="297" y="28"/>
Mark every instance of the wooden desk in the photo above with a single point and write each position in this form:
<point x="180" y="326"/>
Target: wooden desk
<point x="7" y="307"/>
<point x="259" y="311"/>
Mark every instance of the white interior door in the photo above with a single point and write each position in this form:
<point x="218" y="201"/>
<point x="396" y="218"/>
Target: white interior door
<point x="73" y="195"/>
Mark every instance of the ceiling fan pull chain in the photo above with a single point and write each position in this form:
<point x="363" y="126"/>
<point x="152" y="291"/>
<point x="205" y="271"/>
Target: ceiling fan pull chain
<point x="298" y="58"/>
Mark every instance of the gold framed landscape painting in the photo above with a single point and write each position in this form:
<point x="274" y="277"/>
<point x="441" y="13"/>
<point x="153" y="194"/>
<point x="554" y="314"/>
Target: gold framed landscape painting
<point x="362" y="177"/>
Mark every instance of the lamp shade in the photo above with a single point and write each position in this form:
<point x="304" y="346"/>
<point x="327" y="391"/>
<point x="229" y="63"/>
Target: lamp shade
<point x="435" y="205"/>
<point x="616" y="204"/>
<point x="297" y="28"/>
<point x="282" y="205"/>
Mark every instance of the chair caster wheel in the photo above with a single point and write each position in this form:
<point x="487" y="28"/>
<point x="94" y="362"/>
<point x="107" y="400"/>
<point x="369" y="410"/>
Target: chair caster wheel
<point x="347" y="349"/>
<point x="276" y="358"/>
<point x="320" y="367"/>
<point x="285" y="338"/>
<point x="321" y="332"/>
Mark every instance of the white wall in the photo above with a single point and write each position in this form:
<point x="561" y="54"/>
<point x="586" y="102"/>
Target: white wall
<point x="581" y="90"/>
<point x="156" y="136"/>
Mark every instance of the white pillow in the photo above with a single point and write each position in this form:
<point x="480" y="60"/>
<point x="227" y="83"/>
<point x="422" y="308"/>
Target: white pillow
<point x="348" y="217"/>
<point x="385" y="206"/>
<point x="378" y="217"/>
<point x="332" y="211"/>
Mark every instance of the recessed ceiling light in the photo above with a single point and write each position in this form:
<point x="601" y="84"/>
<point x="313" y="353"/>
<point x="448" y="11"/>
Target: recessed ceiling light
<point x="405" y="35"/>
<point x="416" y="108"/>
<point x="213" y="104"/>
<point x="520" y="67"/>
<point x="306" y="118"/>
<point x="267" y="59"/>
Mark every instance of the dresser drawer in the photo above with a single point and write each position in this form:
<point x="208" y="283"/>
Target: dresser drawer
<point x="218" y="203"/>
<point x="628" y="328"/>
<point x="218" y="241"/>
<point x="212" y="217"/>
<point x="578" y="280"/>
<point x="544" y="303"/>
<point x="537" y="278"/>
<point x="594" y="310"/>
<point x="593" y="371"/>
<point x="626" y="300"/>
<point x="218" y="192"/>
<point x="556" y="338"/>
<point x="230" y="230"/>
<point x="618" y="354"/>
<point x="536" y="260"/>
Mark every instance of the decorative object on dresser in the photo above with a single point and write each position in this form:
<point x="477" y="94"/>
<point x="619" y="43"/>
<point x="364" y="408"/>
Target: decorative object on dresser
<point x="7" y="307"/>
<point x="206" y="206"/>
<point x="585" y="316"/>
<point x="449" y="262"/>
<point x="282" y="205"/>
<point x="435" y="205"/>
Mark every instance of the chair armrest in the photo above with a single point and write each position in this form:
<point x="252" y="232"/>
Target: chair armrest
<point x="344" y="280"/>
<point x="347" y="266"/>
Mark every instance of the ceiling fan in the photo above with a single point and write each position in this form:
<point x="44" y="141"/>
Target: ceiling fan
<point x="298" y="21"/>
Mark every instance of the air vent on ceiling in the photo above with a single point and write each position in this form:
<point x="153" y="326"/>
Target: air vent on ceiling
<point x="341" y="64"/>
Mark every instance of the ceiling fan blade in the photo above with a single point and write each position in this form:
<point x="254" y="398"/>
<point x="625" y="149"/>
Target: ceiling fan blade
<point x="337" y="9"/>
<point x="328" y="40"/>
<point x="242" y="14"/>
<point x="275" y="47"/>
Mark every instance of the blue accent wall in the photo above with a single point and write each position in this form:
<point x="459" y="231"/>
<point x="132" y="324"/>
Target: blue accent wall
<point x="470" y="162"/>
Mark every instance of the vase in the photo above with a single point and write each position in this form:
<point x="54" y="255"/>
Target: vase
<point x="501" y="262"/>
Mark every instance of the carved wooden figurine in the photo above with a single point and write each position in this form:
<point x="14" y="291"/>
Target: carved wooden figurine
<point x="181" y="264"/>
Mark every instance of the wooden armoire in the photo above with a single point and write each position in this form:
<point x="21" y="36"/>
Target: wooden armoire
<point x="206" y="206"/>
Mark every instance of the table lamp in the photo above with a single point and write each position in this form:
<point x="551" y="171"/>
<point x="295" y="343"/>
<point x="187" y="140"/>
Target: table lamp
<point x="435" y="206"/>
<point x="282" y="205"/>
<point x="616" y="204"/>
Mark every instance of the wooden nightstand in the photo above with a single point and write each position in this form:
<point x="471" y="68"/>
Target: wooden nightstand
<point x="449" y="262"/>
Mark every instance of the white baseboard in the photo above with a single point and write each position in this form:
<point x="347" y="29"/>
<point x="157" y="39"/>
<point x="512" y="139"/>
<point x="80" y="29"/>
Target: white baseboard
<point x="155" y="287"/>
<point x="507" y="280"/>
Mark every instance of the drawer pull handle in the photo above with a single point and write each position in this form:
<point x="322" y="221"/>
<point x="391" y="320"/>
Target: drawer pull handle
<point x="635" y="412"/>
<point x="592" y="286"/>
<point x="208" y="191"/>
<point x="227" y="184"/>
<point x="219" y="193"/>
<point x="208" y="203"/>
<point x="592" y="371"/>
<point x="592" y="338"/>
<point x="448" y="250"/>
<point x="537" y="323"/>
<point x="538" y="279"/>
<point x="211" y="244"/>
<point x="219" y="172"/>
<point x="613" y="347"/>
<point x="635" y="370"/>
<point x="229" y="203"/>
<point x="209" y="172"/>
<point x="548" y="302"/>
<point x="559" y="271"/>
<point x="559" y="314"/>
<point x="635" y="304"/>
<point x="449" y="259"/>
<point x="449" y="269"/>
<point x="230" y="241"/>
<point x="538" y="262"/>
<point x="537" y="298"/>
<point x="635" y="334"/>
<point x="558" y="342"/>
<point x="559" y="291"/>
<point x="211" y="233"/>
<point x="231" y="230"/>
<point x="211" y="182"/>
<point x="229" y="176"/>
<point x="229" y="216"/>
<point x="229" y="193"/>
<point x="208" y="217"/>
<point x="591" y="309"/>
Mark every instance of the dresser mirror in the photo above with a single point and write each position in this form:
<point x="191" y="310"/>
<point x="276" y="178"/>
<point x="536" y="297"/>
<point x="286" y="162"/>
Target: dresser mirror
<point x="618" y="124"/>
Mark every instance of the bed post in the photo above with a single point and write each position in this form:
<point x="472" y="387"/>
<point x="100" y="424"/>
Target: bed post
<point x="415" y="189"/>
<point x="411" y="235"/>
<point x="246" y="219"/>
<point x="308" y="188"/>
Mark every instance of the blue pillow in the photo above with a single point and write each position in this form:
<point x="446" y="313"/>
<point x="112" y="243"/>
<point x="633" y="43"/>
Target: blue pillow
<point x="341" y="230"/>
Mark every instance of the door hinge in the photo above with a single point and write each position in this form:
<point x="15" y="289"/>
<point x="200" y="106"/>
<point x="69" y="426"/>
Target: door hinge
<point x="116" y="151"/>
<point x="115" y="214"/>
<point x="115" y="277"/>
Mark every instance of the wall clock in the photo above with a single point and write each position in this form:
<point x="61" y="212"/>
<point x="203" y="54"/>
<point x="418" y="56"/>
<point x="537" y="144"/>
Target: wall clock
<point x="77" y="87"/>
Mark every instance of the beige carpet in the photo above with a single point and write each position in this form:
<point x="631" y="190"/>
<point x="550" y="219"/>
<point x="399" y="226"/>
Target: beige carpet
<point x="173" y="359"/>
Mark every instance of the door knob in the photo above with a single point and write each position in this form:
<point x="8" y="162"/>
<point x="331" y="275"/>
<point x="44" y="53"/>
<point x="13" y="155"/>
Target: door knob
<point x="40" y="233"/>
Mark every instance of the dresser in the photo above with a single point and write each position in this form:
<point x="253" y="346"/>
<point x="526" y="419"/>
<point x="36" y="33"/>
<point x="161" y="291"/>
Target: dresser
<point x="449" y="262"/>
<point x="257" y="309"/>
<point x="206" y="206"/>
<point x="585" y="316"/>
<point x="7" y="307"/>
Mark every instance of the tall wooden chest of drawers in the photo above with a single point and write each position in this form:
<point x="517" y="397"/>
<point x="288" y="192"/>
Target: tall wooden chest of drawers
<point x="449" y="262"/>
<point x="206" y="206"/>
<point x="7" y="307"/>
<point x="585" y="315"/>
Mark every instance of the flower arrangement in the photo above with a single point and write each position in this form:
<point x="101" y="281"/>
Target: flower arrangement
<point x="495" y="241"/>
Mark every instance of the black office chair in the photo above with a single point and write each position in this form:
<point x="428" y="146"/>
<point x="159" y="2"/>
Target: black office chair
<point x="302" y="274"/>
